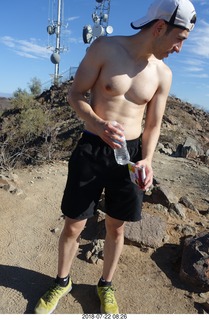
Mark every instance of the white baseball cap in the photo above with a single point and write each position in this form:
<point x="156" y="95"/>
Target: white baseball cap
<point x="179" y="13"/>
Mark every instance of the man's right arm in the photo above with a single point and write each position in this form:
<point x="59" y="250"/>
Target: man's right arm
<point x="85" y="79"/>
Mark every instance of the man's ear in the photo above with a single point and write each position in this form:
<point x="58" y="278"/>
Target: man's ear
<point x="159" y="27"/>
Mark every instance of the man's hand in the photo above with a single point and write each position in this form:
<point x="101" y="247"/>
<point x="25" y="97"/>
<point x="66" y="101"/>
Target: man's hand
<point x="111" y="132"/>
<point x="149" y="174"/>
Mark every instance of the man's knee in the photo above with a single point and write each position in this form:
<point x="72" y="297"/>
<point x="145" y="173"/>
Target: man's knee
<point x="73" y="228"/>
<point x="115" y="228"/>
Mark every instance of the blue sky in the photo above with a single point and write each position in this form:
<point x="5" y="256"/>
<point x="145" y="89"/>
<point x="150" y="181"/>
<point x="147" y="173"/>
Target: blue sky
<point x="24" y="43"/>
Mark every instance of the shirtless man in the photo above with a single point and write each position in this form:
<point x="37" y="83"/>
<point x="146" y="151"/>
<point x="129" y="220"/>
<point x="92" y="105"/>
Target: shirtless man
<point x="127" y="77"/>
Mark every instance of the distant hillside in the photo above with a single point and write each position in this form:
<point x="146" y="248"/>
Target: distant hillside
<point x="5" y="103"/>
<point x="50" y="129"/>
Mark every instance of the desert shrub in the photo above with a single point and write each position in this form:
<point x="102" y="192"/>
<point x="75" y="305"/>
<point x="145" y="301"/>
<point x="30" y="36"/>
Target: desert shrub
<point x="35" y="86"/>
<point x="27" y="135"/>
<point x="22" y="99"/>
<point x="32" y="122"/>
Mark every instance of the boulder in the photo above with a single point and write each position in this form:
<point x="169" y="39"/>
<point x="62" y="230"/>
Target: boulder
<point x="150" y="231"/>
<point x="195" y="262"/>
<point x="191" y="149"/>
<point x="163" y="195"/>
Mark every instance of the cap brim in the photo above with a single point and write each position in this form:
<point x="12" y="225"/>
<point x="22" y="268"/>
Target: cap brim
<point x="138" y="24"/>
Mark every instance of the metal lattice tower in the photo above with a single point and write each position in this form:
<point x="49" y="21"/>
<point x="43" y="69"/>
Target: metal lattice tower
<point x="100" y="19"/>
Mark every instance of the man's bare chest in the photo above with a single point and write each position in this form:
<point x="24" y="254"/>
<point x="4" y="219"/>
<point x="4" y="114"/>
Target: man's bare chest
<point x="136" y="85"/>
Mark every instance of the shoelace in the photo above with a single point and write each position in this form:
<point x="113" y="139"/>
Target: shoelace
<point x="50" y="294"/>
<point x="108" y="294"/>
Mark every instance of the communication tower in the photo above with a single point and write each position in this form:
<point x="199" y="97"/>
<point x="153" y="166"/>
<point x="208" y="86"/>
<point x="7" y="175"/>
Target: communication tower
<point x="100" y="19"/>
<point x="54" y="28"/>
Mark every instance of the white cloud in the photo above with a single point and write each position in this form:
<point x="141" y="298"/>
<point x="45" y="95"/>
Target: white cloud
<point x="25" y="55"/>
<point x="7" y="41"/>
<point x="28" y="49"/>
<point x="194" y="62"/>
<point x="72" y="18"/>
<point x="193" y="69"/>
<point x="198" y="42"/>
<point x="201" y="76"/>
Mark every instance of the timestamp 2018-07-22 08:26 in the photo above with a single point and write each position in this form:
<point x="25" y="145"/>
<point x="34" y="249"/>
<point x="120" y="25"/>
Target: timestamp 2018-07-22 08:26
<point x="104" y="316"/>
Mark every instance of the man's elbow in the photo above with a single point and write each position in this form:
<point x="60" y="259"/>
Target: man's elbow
<point x="153" y="127"/>
<point x="72" y="96"/>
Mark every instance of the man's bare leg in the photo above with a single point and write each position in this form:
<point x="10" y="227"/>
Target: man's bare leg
<point x="113" y="246"/>
<point x="68" y="244"/>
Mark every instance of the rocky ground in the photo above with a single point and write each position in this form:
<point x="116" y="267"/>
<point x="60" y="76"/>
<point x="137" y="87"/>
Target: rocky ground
<point x="147" y="279"/>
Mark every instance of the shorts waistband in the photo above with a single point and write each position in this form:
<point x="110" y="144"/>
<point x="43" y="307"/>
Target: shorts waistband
<point x="93" y="137"/>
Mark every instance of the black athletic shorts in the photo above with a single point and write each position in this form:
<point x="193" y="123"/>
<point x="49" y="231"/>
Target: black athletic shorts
<point x="92" y="169"/>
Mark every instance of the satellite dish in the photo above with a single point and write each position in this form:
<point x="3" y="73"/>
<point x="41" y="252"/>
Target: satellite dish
<point x="87" y="34"/>
<point x="95" y="18"/>
<point x="55" y="58"/>
<point x="109" y="29"/>
<point x="98" y="30"/>
<point x="105" y="17"/>
<point x="50" y="30"/>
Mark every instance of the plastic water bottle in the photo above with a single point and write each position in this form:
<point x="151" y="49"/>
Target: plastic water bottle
<point x="122" y="156"/>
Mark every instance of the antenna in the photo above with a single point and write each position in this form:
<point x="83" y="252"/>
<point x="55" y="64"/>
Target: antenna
<point x="100" y="19"/>
<point x="55" y="28"/>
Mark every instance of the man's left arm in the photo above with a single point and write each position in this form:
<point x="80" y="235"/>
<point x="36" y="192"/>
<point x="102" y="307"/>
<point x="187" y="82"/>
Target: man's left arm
<point x="154" y="114"/>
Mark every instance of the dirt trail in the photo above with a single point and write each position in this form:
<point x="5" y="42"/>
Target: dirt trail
<point x="146" y="282"/>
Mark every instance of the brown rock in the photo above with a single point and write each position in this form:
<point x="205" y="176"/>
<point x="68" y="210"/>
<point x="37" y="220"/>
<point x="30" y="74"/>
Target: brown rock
<point x="195" y="262"/>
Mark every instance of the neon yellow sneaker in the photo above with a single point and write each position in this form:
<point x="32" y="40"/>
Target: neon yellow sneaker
<point x="48" y="302"/>
<point x="107" y="300"/>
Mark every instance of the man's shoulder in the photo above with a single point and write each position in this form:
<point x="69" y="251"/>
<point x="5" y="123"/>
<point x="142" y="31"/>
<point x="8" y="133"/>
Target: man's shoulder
<point x="110" y="39"/>
<point x="165" y="75"/>
<point x="164" y="68"/>
<point x="161" y="67"/>
<point x="110" y="43"/>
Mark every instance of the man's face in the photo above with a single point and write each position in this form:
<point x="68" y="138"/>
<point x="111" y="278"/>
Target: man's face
<point x="170" y="42"/>
<point x="177" y="36"/>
